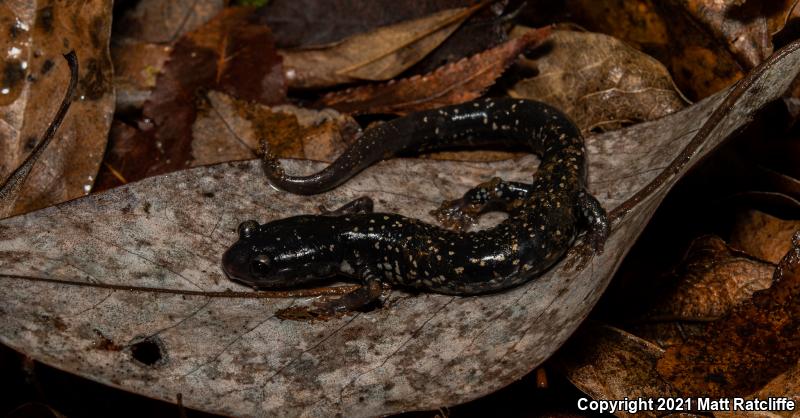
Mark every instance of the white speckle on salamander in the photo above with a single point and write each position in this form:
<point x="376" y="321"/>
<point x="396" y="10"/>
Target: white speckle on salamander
<point x="346" y="268"/>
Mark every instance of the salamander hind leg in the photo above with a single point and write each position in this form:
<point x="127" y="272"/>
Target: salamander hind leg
<point x="365" y="296"/>
<point x="495" y="194"/>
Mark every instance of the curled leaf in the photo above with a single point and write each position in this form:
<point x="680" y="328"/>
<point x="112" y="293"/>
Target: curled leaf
<point x="376" y="55"/>
<point x="608" y="363"/>
<point x="754" y="343"/>
<point x="450" y="84"/>
<point x="762" y="235"/>
<point x="599" y="81"/>
<point x="712" y="279"/>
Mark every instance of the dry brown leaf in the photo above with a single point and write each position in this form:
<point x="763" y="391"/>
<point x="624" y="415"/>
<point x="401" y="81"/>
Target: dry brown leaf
<point x="786" y="385"/>
<point x="752" y="345"/>
<point x="229" y="53"/>
<point x="229" y="130"/>
<point x="711" y="280"/>
<point x="142" y="43"/>
<point x="599" y="81"/>
<point x="450" y="84"/>
<point x="227" y="353"/>
<point x="763" y="236"/>
<point x="781" y="12"/>
<point x="608" y="363"/>
<point x="35" y="77"/>
<point x="305" y="23"/>
<point x="745" y="28"/>
<point x="376" y="55"/>
<point x="697" y="63"/>
<point x="157" y="21"/>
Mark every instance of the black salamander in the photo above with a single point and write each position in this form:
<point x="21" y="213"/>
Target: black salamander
<point x="375" y="248"/>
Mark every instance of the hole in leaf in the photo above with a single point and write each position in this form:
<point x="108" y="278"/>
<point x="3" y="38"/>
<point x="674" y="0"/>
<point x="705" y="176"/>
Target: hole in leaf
<point x="147" y="351"/>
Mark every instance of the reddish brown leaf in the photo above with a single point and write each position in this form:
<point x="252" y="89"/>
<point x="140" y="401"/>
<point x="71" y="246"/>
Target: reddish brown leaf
<point x="739" y="353"/>
<point x="454" y="83"/>
<point x="711" y="280"/>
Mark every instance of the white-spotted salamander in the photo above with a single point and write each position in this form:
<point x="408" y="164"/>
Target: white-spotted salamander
<point x="376" y="248"/>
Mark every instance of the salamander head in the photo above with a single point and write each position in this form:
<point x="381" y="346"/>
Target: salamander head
<point x="282" y="254"/>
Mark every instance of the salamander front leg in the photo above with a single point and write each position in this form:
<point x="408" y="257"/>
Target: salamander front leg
<point x="495" y="194"/>
<point x="595" y="222"/>
<point x="368" y="294"/>
<point x="361" y="205"/>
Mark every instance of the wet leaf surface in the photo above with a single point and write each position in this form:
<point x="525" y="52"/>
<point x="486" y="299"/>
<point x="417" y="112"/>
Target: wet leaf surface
<point x="37" y="34"/>
<point x="599" y="81"/>
<point x="230" y="354"/>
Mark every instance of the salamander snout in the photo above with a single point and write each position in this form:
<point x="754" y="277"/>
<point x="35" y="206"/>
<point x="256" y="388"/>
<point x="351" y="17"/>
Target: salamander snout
<point x="281" y="254"/>
<point x="243" y="262"/>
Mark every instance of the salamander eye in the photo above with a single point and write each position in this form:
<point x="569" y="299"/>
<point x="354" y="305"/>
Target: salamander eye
<point x="260" y="264"/>
<point x="247" y="228"/>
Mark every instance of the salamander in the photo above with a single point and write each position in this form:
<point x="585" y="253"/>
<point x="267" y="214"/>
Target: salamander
<point x="544" y="216"/>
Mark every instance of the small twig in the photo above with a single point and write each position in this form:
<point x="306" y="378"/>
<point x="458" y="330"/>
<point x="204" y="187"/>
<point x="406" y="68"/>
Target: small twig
<point x="263" y="294"/>
<point x="11" y="187"/>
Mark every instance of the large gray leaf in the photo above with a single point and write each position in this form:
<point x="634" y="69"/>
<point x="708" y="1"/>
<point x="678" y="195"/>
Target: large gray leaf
<point x="229" y="354"/>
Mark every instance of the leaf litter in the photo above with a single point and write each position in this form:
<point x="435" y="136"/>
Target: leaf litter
<point x="231" y="355"/>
